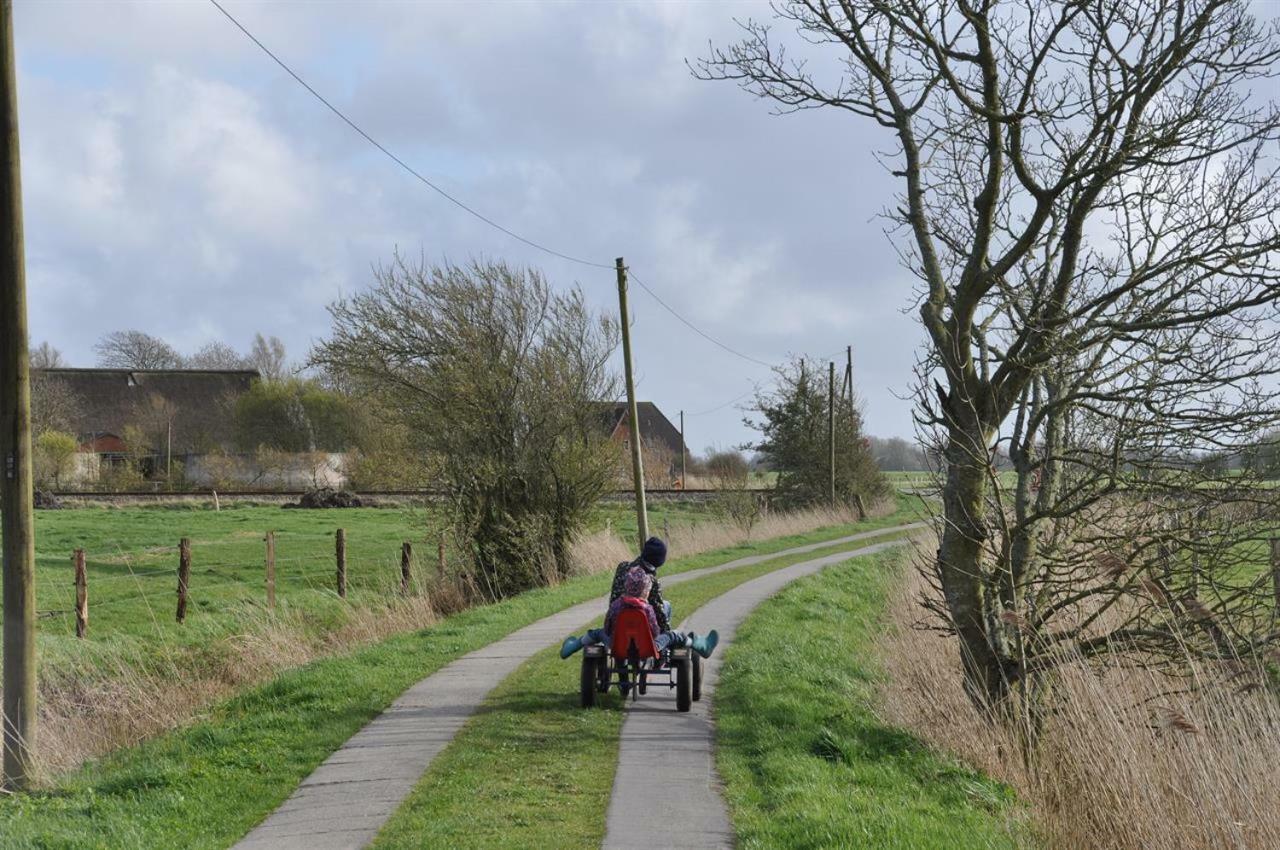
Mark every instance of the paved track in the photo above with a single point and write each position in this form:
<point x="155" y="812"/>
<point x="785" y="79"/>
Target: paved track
<point x="347" y="799"/>
<point x="666" y="775"/>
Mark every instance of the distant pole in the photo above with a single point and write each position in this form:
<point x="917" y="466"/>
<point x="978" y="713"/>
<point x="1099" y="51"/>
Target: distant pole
<point x="848" y="373"/>
<point x="637" y="461"/>
<point x="684" y="483"/>
<point x="168" y="453"/>
<point x="831" y="427"/>
<point x="16" y="526"/>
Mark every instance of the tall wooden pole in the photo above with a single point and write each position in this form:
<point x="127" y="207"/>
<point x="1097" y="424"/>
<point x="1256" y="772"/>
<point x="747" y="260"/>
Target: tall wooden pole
<point x="684" y="483"/>
<point x="848" y="373"/>
<point x="16" y="527"/>
<point x="831" y="427"/>
<point x="637" y="461"/>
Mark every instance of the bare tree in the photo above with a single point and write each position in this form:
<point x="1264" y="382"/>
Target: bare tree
<point x="499" y="379"/>
<point x="268" y="357"/>
<point x="45" y="356"/>
<point x="217" y="355"/>
<point x="54" y="405"/>
<point x="136" y="350"/>
<point x="1090" y="204"/>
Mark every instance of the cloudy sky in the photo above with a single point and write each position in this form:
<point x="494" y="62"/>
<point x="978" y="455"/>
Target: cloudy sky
<point x="179" y="182"/>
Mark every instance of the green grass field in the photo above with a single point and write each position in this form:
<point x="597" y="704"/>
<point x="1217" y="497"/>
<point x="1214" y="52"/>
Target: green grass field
<point x="805" y="761"/>
<point x="205" y="785"/>
<point x="132" y="559"/>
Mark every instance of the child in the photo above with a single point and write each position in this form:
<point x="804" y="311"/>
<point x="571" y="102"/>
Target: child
<point x="636" y="585"/>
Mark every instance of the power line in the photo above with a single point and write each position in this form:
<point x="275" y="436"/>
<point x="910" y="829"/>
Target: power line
<point x="463" y="206"/>
<point x="751" y="391"/>
<point x="397" y="160"/>
<point x="720" y="407"/>
<point x="691" y="326"/>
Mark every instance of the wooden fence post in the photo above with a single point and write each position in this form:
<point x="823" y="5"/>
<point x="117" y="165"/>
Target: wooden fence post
<point x="271" y="569"/>
<point x="440" y="560"/>
<point x="82" y="595"/>
<point x="1275" y="570"/>
<point x="340" y="551"/>
<point x="184" y="576"/>
<point x="406" y="565"/>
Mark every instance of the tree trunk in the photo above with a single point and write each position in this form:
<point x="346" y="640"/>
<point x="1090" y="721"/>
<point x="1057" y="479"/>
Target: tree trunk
<point x="960" y="567"/>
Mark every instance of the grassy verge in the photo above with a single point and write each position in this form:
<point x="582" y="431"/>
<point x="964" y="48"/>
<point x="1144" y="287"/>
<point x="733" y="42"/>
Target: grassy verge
<point x="805" y="761"/>
<point x="207" y="784"/>
<point x="532" y="769"/>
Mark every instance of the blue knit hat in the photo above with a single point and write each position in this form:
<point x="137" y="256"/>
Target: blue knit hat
<point x="654" y="552"/>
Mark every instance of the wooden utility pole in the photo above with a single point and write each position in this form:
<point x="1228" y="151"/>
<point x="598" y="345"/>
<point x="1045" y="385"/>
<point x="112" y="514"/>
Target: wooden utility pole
<point x="831" y="427"/>
<point x="684" y="483"/>
<point x="637" y="461"/>
<point x="848" y="373"/>
<point x="16" y="527"/>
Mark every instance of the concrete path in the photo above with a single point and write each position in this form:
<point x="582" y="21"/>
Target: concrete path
<point x="666" y="763"/>
<point x="347" y="799"/>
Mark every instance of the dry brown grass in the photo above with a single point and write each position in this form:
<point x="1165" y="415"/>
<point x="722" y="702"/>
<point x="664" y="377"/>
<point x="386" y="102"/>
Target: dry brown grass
<point x="1128" y="758"/>
<point x="603" y="550"/>
<point x="112" y="698"/>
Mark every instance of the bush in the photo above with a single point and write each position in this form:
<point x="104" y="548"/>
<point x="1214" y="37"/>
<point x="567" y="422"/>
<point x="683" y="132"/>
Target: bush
<point x="54" y="456"/>
<point x="499" y="378"/>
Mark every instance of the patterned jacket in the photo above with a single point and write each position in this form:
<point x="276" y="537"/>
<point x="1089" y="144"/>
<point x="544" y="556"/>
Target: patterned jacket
<point x="655" y="592"/>
<point x="624" y="602"/>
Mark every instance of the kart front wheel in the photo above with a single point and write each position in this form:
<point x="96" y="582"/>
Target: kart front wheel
<point x="696" y="660"/>
<point x="588" y="689"/>
<point x="684" y="685"/>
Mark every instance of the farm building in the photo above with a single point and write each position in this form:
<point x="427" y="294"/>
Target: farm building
<point x="182" y="411"/>
<point x="661" y="439"/>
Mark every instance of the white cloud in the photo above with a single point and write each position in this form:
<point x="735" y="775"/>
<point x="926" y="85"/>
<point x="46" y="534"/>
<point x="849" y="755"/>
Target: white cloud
<point x="177" y="181"/>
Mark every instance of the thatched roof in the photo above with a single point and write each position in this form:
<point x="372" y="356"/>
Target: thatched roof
<point x="198" y="402"/>
<point x="654" y="426"/>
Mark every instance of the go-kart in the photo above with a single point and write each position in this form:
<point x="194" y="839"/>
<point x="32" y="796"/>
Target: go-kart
<point x="634" y="662"/>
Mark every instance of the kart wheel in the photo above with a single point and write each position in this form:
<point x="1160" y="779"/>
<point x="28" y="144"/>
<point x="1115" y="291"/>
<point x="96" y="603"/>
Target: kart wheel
<point x="644" y="682"/>
<point x="603" y="679"/>
<point x="684" y="685"/>
<point x="588" y="690"/>
<point x="696" y="660"/>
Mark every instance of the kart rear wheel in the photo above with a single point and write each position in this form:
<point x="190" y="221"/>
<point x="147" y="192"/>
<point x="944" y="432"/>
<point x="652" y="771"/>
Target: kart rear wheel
<point x="644" y="683"/>
<point x="697" y="676"/>
<point x="684" y="685"/>
<point x="588" y="689"/>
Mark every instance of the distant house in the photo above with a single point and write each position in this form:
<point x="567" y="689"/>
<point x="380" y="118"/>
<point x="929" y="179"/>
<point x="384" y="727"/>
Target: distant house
<point x="656" y="431"/>
<point x="175" y="411"/>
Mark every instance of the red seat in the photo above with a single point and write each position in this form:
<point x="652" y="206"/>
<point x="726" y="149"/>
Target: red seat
<point x="632" y="626"/>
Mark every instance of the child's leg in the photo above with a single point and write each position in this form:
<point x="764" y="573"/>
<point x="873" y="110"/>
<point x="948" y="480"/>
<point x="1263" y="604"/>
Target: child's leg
<point x="573" y="643"/>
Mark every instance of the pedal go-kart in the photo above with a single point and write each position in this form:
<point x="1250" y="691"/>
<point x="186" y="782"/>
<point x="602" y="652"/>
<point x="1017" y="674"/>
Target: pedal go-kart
<point x="634" y="663"/>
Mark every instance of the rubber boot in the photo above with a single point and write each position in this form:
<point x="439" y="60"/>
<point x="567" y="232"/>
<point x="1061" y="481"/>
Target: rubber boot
<point x="704" y="645"/>
<point x="571" y="645"/>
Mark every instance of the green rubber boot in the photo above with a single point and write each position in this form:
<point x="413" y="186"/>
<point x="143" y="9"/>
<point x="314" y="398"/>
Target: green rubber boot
<point x="706" y="644"/>
<point x="571" y="645"/>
